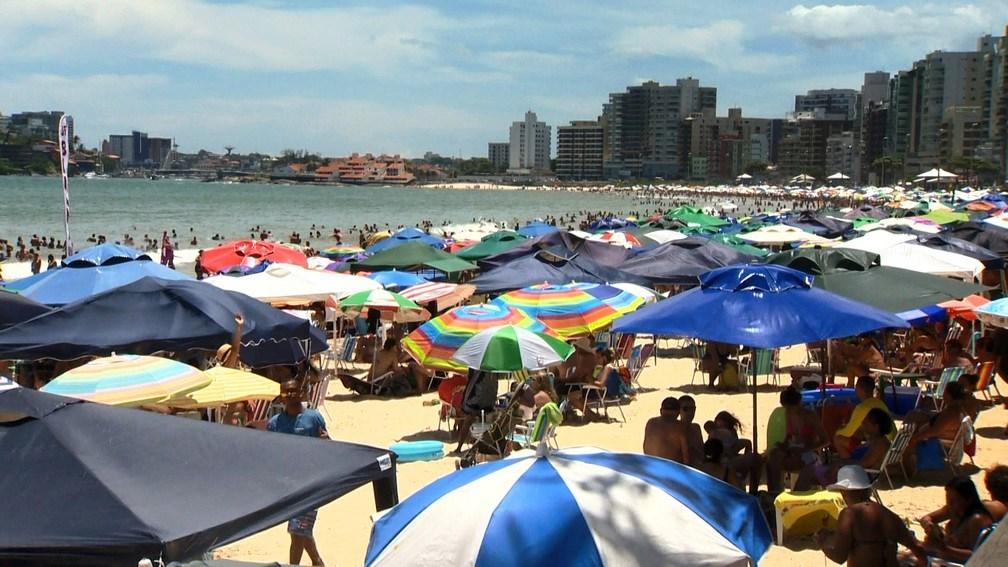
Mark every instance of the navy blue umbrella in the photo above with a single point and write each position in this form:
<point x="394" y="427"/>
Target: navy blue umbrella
<point x="104" y="255"/>
<point x="151" y="315"/>
<point x="91" y="484"/>
<point x="82" y="279"/>
<point x="15" y="308"/>
<point x="759" y="306"/>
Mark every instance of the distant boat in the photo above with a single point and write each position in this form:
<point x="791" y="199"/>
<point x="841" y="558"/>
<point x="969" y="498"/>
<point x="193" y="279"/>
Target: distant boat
<point x="93" y="175"/>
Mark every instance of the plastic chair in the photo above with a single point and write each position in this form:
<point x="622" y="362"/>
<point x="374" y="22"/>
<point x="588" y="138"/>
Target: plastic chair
<point x="955" y="450"/>
<point x="766" y="364"/>
<point x="894" y="456"/>
<point x="936" y="389"/>
<point x="698" y="350"/>
<point x="346" y="353"/>
<point x="542" y="428"/>
<point x="597" y="398"/>
<point x="638" y="366"/>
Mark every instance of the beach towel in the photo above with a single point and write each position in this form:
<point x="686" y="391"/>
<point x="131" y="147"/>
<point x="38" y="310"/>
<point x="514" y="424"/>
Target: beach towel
<point x="549" y="415"/>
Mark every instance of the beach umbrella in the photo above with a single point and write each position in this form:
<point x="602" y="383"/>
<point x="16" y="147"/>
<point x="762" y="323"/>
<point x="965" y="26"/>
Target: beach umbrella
<point x="624" y="239"/>
<point x="994" y="313"/>
<point x="128" y="380"/>
<point x="534" y="229"/>
<point x="404" y="236"/>
<point x="250" y="252"/>
<point x="289" y="284"/>
<point x="16" y="308"/>
<point x="394" y="279"/>
<point x="661" y="236"/>
<point x="103" y="255"/>
<point x="616" y="297"/>
<point x="511" y="348"/>
<point x="552" y="266"/>
<point x="569" y="311"/>
<point x="693" y="217"/>
<point x="759" y="306"/>
<point x="340" y="252"/>
<point x="91" y="484"/>
<point x="937" y="174"/>
<point x="151" y="315"/>
<point x="780" y="234"/>
<point x="433" y="343"/>
<point x="82" y="280"/>
<point x="578" y="506"/>
<point x="901" y="251"/>
<point x="611" y="223"/>
<point x="226" y="386"/>
<point x="647" y="294"/>
<point x="443" y="294"/>
<point x="965" y="307"/>
<point x="391" y="305"/>
<point x="491" y="244"/>
<point x="682" y="261"/>
<point x="414" y="256"/>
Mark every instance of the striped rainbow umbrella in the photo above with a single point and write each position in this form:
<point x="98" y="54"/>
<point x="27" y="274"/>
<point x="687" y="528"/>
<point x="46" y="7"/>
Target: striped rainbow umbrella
<point x="433" y="343"/>
<point x="128" y="380"/>
<point x="511" y="349"/>
<point x="340" y="252"/>
<point x="569" y="311"/>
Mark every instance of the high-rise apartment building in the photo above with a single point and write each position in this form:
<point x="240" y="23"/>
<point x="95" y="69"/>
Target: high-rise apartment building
<point x="529" y="145"/>
<point x="138" y="149"/>
<point x="499" y="155"/>
<point x="579" y="150"/>
<point x="995" y="101"/>
<point x="43" y="124"/>
<point x="829" y="104"/>
<point x="803" y="147"/>
<point x="643" y="127"/>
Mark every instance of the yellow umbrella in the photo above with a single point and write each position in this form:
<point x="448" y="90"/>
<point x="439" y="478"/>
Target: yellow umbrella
<point x="227" y="385"/>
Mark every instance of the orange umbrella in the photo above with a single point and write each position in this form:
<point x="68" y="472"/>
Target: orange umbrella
<point x="964" y="308"/>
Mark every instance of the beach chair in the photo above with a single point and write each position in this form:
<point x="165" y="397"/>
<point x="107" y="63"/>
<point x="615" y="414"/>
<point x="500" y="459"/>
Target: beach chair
<point x="603" y="339"/>
<point x="894" y="456"/>
<point x="623" y="346"/>
<point x="317" y="393"/>
<point x="597" y="398"/>
<point x="765" y="361"/>
<point x="345" y="355"/>
<point x="542" y="428"/>
<point x="697" y="350"/>
<point x="935" y="389"/>
<point x="639" y="363"/>
<point x="955" y="449"/>
<point x="986" y="379"/>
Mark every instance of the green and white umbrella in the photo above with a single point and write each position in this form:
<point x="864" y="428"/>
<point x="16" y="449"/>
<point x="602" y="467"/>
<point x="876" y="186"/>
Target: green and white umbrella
<point x="392" y="306"/>
<point x="510" y="349"/>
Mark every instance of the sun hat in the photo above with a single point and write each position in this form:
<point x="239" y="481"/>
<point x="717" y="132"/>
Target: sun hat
<point x="851" y="477"/>
<point x="585" y="344"/>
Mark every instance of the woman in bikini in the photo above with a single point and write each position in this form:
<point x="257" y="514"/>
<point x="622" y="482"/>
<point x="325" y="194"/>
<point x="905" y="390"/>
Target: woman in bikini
<point x="805" y="437"/>
<point x="967" y="519"/>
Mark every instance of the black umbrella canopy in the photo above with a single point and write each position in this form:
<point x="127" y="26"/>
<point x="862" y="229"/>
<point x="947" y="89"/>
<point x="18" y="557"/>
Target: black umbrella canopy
<point x="151" y="315"/>
<point x="557" y="266"/>
<point x="949" y="243"/>
<point x="90" y="484"/>
<point x="983" y="234"/>
<point x="600" y="252"/>
<point x="817" y="261"/>
<point x="682" y="261"/>
<point x="16" y="308"/>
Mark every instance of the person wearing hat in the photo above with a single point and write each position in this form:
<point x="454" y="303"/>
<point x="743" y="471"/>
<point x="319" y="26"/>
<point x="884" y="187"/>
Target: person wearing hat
<point x="867" y="532"/>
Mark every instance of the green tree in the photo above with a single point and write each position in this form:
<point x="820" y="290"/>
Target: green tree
<point x="755" y="167"/>
<point x="42" y="164"/>
<point x="6" y="168"/>
<point x="886" y="167"/>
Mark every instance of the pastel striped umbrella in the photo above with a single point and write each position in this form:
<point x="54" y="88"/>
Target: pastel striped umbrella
<point x="511" y="349"/>
<point x="444" y="294"/>
<point x="433" y="343"/>
<point x="569" y="311"/>
<point x="391" y="305"/>
<point x="227" y="386"/>
<point x="128" y="380"/>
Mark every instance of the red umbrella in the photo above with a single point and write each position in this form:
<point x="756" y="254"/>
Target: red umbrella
<point x="249" y="253"/>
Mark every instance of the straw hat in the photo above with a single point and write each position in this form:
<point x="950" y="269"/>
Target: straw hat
<point x="851" y="477"/>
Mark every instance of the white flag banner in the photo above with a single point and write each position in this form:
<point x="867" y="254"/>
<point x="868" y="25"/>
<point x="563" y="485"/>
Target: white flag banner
<point x="64" y="142"/>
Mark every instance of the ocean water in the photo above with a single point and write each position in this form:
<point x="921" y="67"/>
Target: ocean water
<point x="113" y="207"/>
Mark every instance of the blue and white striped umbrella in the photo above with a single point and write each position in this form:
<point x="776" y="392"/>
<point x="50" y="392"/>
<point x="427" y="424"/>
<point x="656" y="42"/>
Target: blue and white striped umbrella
<point x="581" y="506"/>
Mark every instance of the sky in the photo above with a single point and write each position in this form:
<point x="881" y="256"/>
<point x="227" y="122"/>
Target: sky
<point x="447" y="77"/>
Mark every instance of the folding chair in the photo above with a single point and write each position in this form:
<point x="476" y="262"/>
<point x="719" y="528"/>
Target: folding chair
<point x="955" y="450"/>
<point x="766" y="364"/>
<point x="603" y="339"/>
<point x="596" y="398"/>
<point x="894" y="456"/>
<point x="624" y="346"/>
<point x="638" y="367"/>
<point x="936" y="389"/>
<point x="697" y="350"/>
<point x="986" y="379"/>
<point x="542" y="428"/>
<point x="345" y="356"/>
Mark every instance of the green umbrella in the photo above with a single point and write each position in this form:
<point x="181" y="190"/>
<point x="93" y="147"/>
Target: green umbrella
<point x="391" y="305"/>
<point x="739" y="244"/>
<point x="509" y="349"/>
<point x="412" y="256"/>
<point x="891" y="289"/>
<point x="500" y="241"/>
<point x="694" y="217"/>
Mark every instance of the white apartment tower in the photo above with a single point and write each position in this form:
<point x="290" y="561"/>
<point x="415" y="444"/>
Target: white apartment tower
<point x="529" y="145"/>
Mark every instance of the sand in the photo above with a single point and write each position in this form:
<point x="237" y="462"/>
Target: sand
<point x="343" y="526"/>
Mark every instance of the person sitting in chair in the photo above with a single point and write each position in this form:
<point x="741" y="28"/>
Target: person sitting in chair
<point x="404" y="376"/>
<point x="847" y="437"/>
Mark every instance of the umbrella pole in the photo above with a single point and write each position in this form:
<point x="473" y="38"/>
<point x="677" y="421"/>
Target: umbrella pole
<point x="755" y="413"/>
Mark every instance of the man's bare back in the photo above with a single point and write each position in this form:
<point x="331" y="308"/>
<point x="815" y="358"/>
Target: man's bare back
<point x="667" y="437"/>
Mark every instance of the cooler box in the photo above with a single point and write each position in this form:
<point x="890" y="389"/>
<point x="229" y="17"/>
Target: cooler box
<point x="833" y="395"/>
<point x="902" y="402"/>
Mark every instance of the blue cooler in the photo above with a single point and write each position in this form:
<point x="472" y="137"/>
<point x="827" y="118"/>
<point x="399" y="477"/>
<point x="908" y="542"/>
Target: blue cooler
<point x="833" y="395"/>
<point x="902" y="402"/>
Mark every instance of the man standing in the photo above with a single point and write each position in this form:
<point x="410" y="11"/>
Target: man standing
<point x="665" y="436"/>
<point x="298" y="420"/>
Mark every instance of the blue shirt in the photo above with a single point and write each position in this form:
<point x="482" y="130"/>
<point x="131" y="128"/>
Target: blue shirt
<point x="308" y="423"/>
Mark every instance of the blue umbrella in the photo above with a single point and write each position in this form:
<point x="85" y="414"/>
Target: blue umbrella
<point x="405" y="235"/>
<point x="72" y="283"/>
<point x="611" y="223"/>
<point x="534" y="229"/>
<point x="103" y="255"/>
<point x="394" y="279"/>
<point x="760" y="306"/>
<point x="580" y="506"/>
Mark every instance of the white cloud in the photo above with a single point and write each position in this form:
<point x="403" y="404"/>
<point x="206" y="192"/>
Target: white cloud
<point x="248" y="37"/>
<point x="720" y="43"/>
<point x="936" y="25"/>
